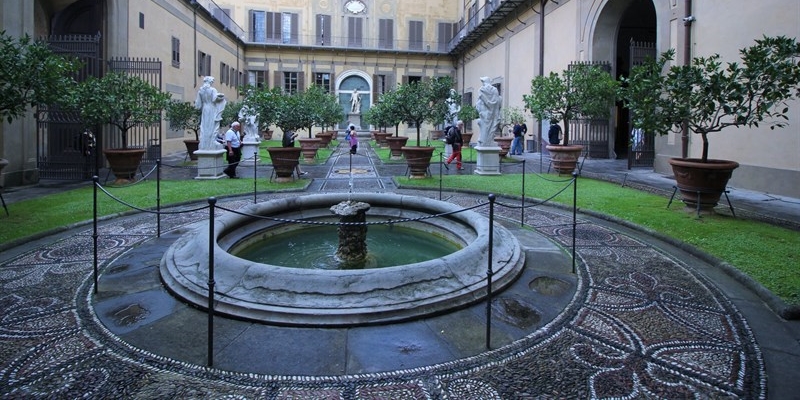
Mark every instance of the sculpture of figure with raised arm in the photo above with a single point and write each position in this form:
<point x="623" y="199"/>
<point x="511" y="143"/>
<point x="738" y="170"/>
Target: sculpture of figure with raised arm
<point x="488" y="105"/>
<point x="211" y="103"/>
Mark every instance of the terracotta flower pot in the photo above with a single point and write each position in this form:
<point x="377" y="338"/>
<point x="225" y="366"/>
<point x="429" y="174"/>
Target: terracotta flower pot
<point x="396" y="144"/>
<point x="564" y="159"/>
<point x="702" y="183"/>
<point x="505" y="144"/>
<point x="381" y="137"/>
<point x="418" y="159"/>
<point x="325" y="138"/>
<point x="309" y="147"/>
<point x="124" y="163"/>
<point x="284" y="161"/>
<point x="191" y="147"/>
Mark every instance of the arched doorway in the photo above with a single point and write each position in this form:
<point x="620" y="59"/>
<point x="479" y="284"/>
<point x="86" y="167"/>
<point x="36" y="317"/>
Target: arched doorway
<point x="625" y="33"/>
<point x="350" y="84"/>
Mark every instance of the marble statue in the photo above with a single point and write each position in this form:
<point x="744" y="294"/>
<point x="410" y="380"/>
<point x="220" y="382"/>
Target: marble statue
<point x="453" y="109"/>
<point x="355" y="102"/>
<point x="211" y="103"/>
<point x="249" y="124"/>
<point x="488" y="105"/>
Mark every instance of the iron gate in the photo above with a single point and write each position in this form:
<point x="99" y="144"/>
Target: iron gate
<point x="593" y="134"/>
<point x="65" y="148"/>
<point x="641" y="146"/>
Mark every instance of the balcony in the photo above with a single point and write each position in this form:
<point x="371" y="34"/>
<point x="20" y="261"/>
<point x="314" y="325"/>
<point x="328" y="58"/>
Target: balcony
<point x="484" y="20"/>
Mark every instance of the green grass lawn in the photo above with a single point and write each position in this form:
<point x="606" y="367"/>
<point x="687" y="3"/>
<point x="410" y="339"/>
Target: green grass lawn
<point x="765" y="252"/>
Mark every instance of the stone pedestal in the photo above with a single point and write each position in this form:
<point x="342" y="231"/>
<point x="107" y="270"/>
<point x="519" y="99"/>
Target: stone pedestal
<point x="250" y="152"/>
<point x="488" y="160"/>
<point x="355" y="120"/>
<point x="210" y="164"/>
<point x="352" y="249"/>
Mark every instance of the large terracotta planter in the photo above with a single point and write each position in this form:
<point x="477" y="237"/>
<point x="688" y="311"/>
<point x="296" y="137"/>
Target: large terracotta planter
<point x="124" y="163"/>
<point x="505" y="144"/>
<point x="396" y="144"/>
<point x="418" y="159"/>
<point x="284" y="162"/>
<point x="309" y="147"/>
<point x="191" y="147"/>
<point x="325" y="138"/>
<point x="436" y="134"/>
<point x="702" y="183"/>
<point x="381" y="137"/>
<point x="467" y="137"/>
<point x="564" y="159"/>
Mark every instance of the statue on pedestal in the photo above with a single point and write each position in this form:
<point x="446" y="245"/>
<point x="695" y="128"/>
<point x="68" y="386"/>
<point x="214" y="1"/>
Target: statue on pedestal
<point x="453" y="109"/>
<point x="211" y="103"/>
<point x="488" y="105"/>
<point x="355" y="102"/>
<point x="249" y="124"/>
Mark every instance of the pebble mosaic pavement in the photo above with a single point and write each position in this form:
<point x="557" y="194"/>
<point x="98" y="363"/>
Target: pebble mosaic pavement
<point x="642" y="325"/>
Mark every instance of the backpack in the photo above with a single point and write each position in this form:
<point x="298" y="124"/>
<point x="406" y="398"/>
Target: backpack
<point x="449" y="135"/>
<point x="347" y="137"/>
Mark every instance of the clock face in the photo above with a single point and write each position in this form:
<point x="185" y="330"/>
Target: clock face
<point x="355" y="6"/>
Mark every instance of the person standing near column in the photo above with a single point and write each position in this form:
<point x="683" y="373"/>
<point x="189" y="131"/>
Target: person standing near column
<point x="234" y="145"/>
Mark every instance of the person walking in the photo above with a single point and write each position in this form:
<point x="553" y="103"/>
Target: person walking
<point x="233" y="143"/>
<point x="458" y="143"/>
<point x="353" y="140"/>
<point x="516" y="145"/>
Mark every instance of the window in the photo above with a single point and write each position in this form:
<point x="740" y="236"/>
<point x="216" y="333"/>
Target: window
<point x="141" y="20"/>
<point x="203" y="64"/>
<point x="488" y="7"/>
<point x="257" y="79"/>
<point x="386" y="33"/>
<point x="274" y="27"/>
<point x="290" y="82"/>
<point x="445" y="34"/>
<point x="223" y="15"/>
<point x="355" y="31"/>
<point x="258" y="26"/>
<point x="323" y="80"/>
<point x="176" y="52"/>
<point x="224" y="74"/>
<point x="415" y="35"/>
<point x="323" y="30"/>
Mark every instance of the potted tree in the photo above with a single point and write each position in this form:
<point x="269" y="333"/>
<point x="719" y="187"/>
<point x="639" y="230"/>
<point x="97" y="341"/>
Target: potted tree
<point x="394" y="118"/>
<point x="182" y="115"/>
<point x="32" y="75"/>
<point x="285" y="159"/>
<point x="418" y="102"/>
<point x="329" y="113"/>
<point x="264" y="102"/>
<point x="378" y="116"/>
<point x="122" y="101"/>
<point x="468" y="112"/>
<point x="582" y="90"/>
<point x="706" y="96"/>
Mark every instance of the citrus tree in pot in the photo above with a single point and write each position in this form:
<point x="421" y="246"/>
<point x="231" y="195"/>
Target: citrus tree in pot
<point x="419" y="102"/>
<point x="182" y="115"/>
<point x="580" y="91"/>
<point x="708" y="96"/>
<point x="31" y="75"/>
<point x="124" y="102"/>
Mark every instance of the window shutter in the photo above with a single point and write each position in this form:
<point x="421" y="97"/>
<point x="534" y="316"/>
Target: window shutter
<point x="323" y="30"/>
<point x="355" y="31"/>
<point x="294" y="28"/>
<point x="386" y="33"/>
<point x="301" y="81"/>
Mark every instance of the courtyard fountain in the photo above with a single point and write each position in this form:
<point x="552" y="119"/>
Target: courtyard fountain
<point x="265" y="291"/>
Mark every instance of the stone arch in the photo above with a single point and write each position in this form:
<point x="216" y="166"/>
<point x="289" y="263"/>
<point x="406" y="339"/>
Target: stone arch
<point x="346" y="83"/>
<point x="614" y="24"/>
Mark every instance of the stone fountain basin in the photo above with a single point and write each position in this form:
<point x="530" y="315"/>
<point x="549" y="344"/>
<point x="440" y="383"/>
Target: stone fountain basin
<point x="276" y="294"/>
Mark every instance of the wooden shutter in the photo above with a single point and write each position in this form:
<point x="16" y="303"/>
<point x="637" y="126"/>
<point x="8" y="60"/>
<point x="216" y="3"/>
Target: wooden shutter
<point x="277" y="80"/>
<point x="355" y="31"/>
<point x="415" y="35"/>
<point x="386" y="34"/>
<point x="323" y="30"/>
<point x="295" y="18"/>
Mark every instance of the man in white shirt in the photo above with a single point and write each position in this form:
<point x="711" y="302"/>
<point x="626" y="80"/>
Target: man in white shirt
<point x="234" y="145"/>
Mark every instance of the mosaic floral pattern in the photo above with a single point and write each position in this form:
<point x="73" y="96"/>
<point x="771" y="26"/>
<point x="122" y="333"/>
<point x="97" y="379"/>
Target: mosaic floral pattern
<point x="642" y="325"/>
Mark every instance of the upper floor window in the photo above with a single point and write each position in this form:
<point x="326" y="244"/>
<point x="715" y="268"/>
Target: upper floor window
<point x="386" y="34"/>
<point x="274" y="27"/>
<point x="176" y="52"/>
<point x="355" y="31"/>
<point x="203" y="64"/>
<point x="445" y="34"/>
<point x="323" y="30"/>
<point x="415" y="35"/>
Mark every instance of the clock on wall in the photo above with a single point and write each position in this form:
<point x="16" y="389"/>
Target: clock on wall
<point x="355" y="6"/>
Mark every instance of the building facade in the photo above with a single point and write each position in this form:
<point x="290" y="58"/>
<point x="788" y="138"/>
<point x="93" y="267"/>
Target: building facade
<point x="372" y="46"/>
